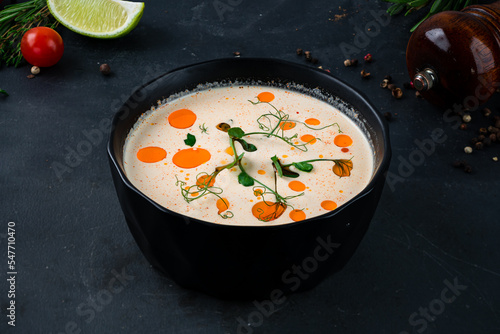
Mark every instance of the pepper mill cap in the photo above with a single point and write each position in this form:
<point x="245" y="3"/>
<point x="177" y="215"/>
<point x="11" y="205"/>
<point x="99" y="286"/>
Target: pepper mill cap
<point x="425" y="80"/>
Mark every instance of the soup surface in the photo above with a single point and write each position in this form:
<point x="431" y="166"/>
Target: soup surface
<point x="248" y="155"/>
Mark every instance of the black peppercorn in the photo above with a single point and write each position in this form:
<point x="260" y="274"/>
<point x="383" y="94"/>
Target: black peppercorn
<point x="483" y="131"/>
<point x="493" y="137"/>
<point x="459" y="163"/>
<point x="468" y="169"/>
<point x="481" y="137"/>
<point x="105" y="69"/>
<point x="314" y="60"/>
<point x="388" y="78"/>
<point x="391" y="86"/>
<point x="493" y="129"/>
<point x="299" y="52"/>
<point x="479" y="145"/>
<point x="397" y="93"/>
<point x="365" y="74"/>
<point x="486" y="112"/>
<point x="473" y="141"/>
<point x="463" y="126"/>
<point x="388" y="116"/>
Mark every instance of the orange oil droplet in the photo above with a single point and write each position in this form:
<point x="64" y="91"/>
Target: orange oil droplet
<point x="287" y="125"/>
<point x="342" y="141"/>
<point x="268" y="211"/>
<point x="261" y="171"/>
<point x="345" y="149"/>
<point x="297" y="215"/>
<point x="258" y="192"/>
<point x="182" y="118"/>
<point x="321" y="156"/>
<point x="222" y="205"/>
<point x="205" y="181"/>
<point x="313" y="121"/>
<point x="285" y="156"/>
<point x="310" y="139"/>
<point x="191" y="157"/>
<point x="297" y="186"/>
<point x="329" y="205"/>
<point x="151" y="154"/>
<point x="229" y="150"/>
<point x="265" y="97"/>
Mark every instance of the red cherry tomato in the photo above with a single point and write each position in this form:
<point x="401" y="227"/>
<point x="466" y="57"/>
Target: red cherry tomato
<point x="42" y="46"/>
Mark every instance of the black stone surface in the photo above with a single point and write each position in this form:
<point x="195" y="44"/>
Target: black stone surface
<point x="428" y="264"/>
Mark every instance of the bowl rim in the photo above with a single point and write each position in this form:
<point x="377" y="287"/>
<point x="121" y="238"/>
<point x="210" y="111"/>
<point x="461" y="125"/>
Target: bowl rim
<point x="383" y="166"/>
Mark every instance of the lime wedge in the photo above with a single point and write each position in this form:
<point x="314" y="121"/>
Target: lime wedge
<point x="97" y="18"/>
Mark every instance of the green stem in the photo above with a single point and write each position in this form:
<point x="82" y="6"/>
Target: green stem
<point x="301" y="147"/>
<point x="307" y="161"/>
<point x="278" y="197"/>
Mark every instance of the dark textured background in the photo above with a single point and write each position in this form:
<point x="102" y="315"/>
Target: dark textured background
<point x="439" y="224"/>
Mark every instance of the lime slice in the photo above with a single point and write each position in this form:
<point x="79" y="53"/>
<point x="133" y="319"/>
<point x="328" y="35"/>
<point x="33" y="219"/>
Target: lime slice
<point x="97" y="18"/>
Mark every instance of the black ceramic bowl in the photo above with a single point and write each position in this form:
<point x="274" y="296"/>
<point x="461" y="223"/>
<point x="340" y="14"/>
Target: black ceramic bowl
<point x="247" y="261"/>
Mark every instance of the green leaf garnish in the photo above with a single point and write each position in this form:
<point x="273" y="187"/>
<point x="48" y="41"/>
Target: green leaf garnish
<point x="245" y="180"/>
<point x="303" y="166"/>
<point x="247" y="146"/>
<point x="283" y="170"/>
<point x="237" y="133"/>
<point x="277" y="166"/>
<point x="190" y="140"/>
<point x="4" y="92"/>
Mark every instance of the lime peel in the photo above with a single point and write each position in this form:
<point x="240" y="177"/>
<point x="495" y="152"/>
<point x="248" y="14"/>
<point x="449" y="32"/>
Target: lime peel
<point x="97" y="18"/>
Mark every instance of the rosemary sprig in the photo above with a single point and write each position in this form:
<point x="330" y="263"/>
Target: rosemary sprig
<point x="15" y="20"/>
<point x="410" y="6"/>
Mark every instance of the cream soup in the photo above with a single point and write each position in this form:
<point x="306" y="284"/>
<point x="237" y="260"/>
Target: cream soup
<point x="248" y="155"/>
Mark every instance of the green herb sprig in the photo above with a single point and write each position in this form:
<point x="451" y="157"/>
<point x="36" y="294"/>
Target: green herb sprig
<point x="203" y="128"/>
<point x="271" y="125"/>
<point x="436" y="6"/>
<point x="15" y="20"/>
